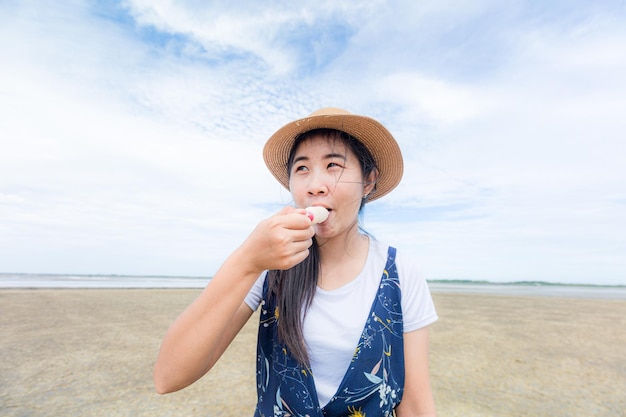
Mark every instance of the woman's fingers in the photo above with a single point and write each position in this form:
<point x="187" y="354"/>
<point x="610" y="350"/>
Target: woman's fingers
<point x="282" y="240"/>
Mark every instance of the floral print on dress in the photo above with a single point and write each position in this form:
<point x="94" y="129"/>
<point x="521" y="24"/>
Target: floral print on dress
<point x="374" y="382"/>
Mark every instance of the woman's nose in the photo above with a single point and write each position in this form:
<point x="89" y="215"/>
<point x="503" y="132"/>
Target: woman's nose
<point x="317" y="185"/>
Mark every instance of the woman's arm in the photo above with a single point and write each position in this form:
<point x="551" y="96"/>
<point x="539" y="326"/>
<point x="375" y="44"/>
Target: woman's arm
<point x="417" y="399"/>
<point x="200" y="335"/>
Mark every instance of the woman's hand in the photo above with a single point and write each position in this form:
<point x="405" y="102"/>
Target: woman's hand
<point x="280" y="241"/>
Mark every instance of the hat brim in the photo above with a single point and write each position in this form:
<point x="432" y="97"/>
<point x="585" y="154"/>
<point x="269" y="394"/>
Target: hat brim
<point x="371" y="133"/>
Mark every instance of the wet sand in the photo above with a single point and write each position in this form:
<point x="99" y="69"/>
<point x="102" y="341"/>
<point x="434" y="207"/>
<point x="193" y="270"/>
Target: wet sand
<point x="91" y="352"/>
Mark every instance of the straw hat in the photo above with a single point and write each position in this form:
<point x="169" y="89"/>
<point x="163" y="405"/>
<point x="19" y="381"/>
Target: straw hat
<point x="371" y="133"/>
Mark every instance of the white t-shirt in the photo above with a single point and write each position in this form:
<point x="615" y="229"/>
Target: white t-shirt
<point x="334" y="322"/>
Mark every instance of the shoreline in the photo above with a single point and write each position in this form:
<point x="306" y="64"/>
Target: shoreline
<point x="512" y="290"/>
<point x="519" y="288"/>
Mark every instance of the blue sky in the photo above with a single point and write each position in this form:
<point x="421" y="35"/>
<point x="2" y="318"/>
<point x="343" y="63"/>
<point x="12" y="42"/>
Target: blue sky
<point x="131" y="132"/>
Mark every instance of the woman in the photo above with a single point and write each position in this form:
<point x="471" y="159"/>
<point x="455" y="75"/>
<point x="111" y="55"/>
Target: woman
<point x="344" y="319"/>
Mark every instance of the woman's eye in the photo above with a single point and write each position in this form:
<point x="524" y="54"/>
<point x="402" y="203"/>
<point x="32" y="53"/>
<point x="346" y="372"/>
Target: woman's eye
<point x="334" y="165"/>
<point x="301" y="168"/>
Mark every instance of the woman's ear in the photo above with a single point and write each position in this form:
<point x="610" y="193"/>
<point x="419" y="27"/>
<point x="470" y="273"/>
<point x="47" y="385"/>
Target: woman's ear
<point x="370" y="182"/>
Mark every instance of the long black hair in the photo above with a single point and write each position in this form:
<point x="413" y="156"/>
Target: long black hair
<point x="294" y="288"/>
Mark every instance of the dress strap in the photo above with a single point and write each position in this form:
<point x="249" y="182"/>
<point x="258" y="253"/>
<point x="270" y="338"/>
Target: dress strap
<point x="374" y="381"/>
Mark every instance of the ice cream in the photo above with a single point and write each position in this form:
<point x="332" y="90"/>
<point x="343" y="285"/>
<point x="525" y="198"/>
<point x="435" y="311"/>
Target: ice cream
<point x="317" y="214"/>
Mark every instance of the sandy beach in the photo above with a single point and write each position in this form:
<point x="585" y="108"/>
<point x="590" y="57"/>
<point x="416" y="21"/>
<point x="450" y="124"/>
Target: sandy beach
<point x="91" y="352"/>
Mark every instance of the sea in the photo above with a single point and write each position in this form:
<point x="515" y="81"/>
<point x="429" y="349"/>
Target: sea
<point x="527" y="288"/>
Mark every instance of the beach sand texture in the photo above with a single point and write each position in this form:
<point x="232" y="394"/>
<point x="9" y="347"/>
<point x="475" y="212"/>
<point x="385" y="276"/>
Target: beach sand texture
<point x="91" y="353"/>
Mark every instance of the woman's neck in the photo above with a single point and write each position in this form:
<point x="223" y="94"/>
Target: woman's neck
<point x="342" y="259"/>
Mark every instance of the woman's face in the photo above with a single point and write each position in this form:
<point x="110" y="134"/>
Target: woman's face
<point x="325" y="172"/>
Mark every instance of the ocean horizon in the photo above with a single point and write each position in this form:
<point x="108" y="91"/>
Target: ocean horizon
<point x="518" y="288"/>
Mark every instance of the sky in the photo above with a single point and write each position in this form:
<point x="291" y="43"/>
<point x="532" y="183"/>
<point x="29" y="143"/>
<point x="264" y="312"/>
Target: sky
<point x="131" y="132"/>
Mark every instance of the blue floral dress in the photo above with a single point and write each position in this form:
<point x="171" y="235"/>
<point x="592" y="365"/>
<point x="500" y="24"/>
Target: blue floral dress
<point x="373" y="383"/>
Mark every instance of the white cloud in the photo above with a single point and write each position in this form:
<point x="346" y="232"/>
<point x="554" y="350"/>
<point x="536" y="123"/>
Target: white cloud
<point x="429" y="100"/>
<point x="265" y="31"/>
